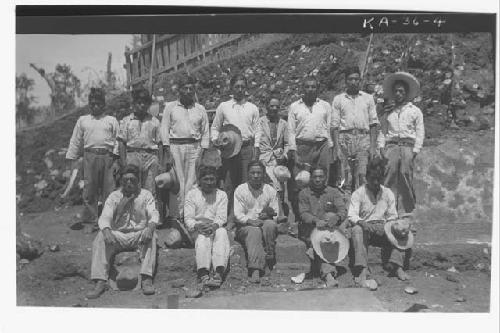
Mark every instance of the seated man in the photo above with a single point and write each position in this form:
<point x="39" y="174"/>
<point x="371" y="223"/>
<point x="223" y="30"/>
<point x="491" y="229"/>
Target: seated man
<point x="372" y="206"/>
<point x="320" y="207"/>
<point x="128" y="222"/>
<point x="255" y="210"/>
<point x="205" y="213"/>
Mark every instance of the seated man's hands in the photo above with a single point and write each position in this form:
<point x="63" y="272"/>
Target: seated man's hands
<point x="147" y="233"/>
<point x="206" y="228"/>
<point x="109" y="238"/>
<point x="255" y="223"/>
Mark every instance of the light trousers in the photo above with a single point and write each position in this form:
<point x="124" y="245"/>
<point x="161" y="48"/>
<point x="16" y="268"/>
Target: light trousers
<point x="102" y="253"/>
<point x="212" y="251"/>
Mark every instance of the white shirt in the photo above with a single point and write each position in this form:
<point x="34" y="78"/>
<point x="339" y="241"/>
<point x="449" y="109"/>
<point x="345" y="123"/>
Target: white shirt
<point x="309" y="124"/>
<point x="248" y="203"/>
<point x="404" y="122"/>
<point x="199" y="206"/>
<point x="245" y="116"/>
<point x="354" y="112"/>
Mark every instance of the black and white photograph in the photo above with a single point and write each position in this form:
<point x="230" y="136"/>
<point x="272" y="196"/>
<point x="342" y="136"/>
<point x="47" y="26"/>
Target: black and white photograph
<point x="177" y="161"/>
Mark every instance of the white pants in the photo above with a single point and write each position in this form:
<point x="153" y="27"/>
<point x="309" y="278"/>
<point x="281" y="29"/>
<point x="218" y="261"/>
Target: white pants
<point x="212" y="250"/>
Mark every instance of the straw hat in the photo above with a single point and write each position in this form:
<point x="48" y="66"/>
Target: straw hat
<point x="413" y="84"/>
<point x="281" y="173"/>
<point x="331" y="246"/>
<point x="168" y="180"/>
<point x="229" y="141"/>
<point x="399" y="234"/>
<point x="302" y="179"/>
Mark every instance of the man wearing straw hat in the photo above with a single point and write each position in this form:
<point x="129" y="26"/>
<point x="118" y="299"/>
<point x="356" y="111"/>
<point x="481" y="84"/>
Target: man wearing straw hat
<point x="185" y="136"/>
<point x="404" y="137"/>
<point x="372" y="212"/>
<point x="309" y="140"/>
<point x="354" y="128"/>
<point x="321" y="208"/>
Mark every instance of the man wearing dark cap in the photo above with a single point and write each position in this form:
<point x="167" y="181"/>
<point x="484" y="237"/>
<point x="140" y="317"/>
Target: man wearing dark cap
<point x="139" y="137"/>
<point x="185" y="136"/>
<point x="354" y="128"/>
<point x="128" y="222"/>
<point x="96" y="133"/>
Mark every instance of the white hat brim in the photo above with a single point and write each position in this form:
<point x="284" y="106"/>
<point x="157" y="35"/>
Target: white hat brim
<point x="319" y="236"/>
<point x="400" y="244"/>
<point x="413" y="84"/>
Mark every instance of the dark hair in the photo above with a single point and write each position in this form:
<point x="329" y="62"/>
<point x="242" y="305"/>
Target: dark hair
<point x="141" y="94"/>
<point x="97" y="94"/>
<point x="376" y="168"/>
<point x="205" y="170"/>
<point x="131" y="168"/>
<point x="319" y="167"/>
<point x="184" y="79"/>
<point x="311" y="78"/>
<point x="403" y="83"/>
<point x="351" y="70"/>
<point x="238" y="77"/>
<point x="272" y="95"/>
<point x="256" y="163"/>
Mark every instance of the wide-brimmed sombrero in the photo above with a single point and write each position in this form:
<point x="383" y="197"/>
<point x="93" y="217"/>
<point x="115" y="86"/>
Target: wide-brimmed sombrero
<point x="399" y="233"/>
<point x="229" y="141"/>
<point x="331" y="246"/>
<point x="413" y="85"/>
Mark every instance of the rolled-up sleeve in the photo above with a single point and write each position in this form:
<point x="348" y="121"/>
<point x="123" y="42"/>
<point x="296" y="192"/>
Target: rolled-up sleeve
<point x="239" y="206"/>
<point x="165" y="126"/>
<point x="354" y="207"/>
<point x="107" y="212"/>
<point x="221" y="209"/>
<point x="372" y="111"/>
<point x="291" y="129"/>
<point x="217" y="123"/>
<point x="392" y="212"/>
<point x="190" y="210"/>
<point x="205" y="129"/>
<point x="76" y="141"/>
<point x="152" y="212"/>
<point x="420" y="131"/>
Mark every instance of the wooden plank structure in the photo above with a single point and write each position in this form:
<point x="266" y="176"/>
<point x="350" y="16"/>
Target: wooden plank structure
<point x="173" y="52"/>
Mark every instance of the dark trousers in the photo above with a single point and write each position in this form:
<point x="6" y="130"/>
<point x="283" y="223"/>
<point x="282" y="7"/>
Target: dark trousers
<point x="234" y="172"/>
<point x="99" y="182"/>
<point x="259" y="243"/>
<point x="313" y="153"/>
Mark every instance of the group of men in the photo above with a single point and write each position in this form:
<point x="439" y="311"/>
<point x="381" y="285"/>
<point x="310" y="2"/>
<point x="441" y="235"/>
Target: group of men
<point x="315" y="135"/>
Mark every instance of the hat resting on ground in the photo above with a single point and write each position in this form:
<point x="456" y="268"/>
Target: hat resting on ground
<point x="399" y="233"/>
<point x="331" y="246"/>
<point x="413" y="85"/>
<point x="229" y="141"/>
<point x="168" y="180"/>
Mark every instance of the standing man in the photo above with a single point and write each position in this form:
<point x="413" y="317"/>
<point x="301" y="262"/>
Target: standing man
<point x="245" y="116"/>
<point x="185" y="136"/>
<point x="354" y="128"/>
<point x="128" y="222"/>
<point x="404" y="137"/>
<point x="315" y="202"/>
<point x="255" y="209"/>
<point x="205" y="215"/>
<point x="274" y="145"/>
<point x="309" y="140"/>
<point x="372" y="206"/>
<point x="96" y="134"/>
<point x="139" y="139"/>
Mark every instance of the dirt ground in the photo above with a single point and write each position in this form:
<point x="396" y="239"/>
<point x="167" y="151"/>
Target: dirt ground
<point x="61" y="278"/>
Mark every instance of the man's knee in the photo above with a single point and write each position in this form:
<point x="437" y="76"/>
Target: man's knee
<point x="269" y="225"/>
<point x="357" y="230"/>
<point x="221" y="233"/>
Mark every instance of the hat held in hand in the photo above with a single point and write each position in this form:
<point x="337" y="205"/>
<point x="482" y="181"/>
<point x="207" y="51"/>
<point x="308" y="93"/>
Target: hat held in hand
<point x="331" y="246"/>
<point x="281" y="173"/>
<point x="399" y="234"/>
<point x="229" y="141"/>
<point x="168" y="180"/>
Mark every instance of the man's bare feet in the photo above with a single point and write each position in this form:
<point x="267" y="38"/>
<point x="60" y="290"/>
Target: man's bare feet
<point x="401" y="274"/>
<point x="361" y="278"/>
<point x="330" y="281"/>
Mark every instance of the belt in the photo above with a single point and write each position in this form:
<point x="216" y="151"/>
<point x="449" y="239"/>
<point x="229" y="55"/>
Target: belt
<point x="183" y="141"/>
<point x="355" y="131"/>
<point x="97" y="151"/>
<point x="309" y="142"/>
<point x="247" y="142"/>
<point x="402" y="142"/>
<point x="141" y="150"/>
